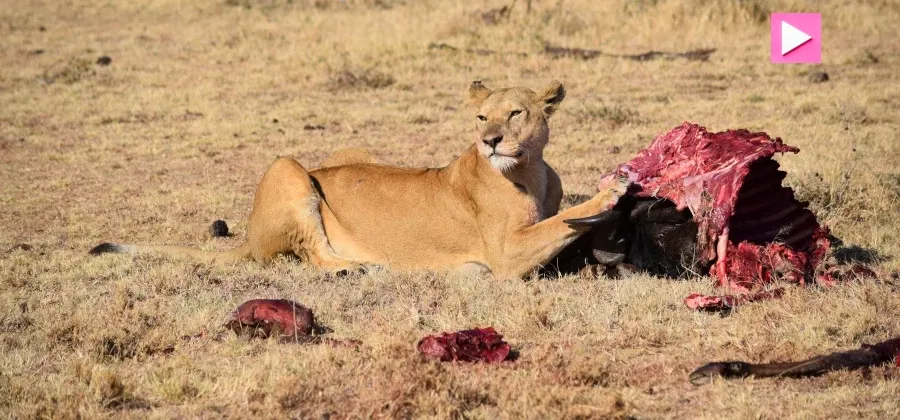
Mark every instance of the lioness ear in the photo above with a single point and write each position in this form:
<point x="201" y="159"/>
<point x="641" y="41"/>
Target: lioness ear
<point x="552" y="96"/>
<point x="478" y="93"/>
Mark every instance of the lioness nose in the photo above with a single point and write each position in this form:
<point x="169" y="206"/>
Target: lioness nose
<point x="492" y="140"/>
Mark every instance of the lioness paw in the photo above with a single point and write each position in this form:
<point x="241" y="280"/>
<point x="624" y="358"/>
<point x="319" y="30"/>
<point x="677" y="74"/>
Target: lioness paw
<point x="357" y="269"/>
<point x="614" y="184"/>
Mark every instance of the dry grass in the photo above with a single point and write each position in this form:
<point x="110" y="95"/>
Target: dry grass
<point x="201" y="96"/>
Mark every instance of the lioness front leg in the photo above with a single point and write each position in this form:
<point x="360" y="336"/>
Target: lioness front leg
<point x="537" y="244"/>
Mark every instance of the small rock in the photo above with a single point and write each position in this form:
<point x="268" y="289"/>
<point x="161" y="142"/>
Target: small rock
<point x="818" y="77"/>
<point x="104" y="60"/>
<point x="309" y="127"/>
<point x="218" y="229"/>
<point x="614" y="150"/>
<point x="37" y="52"/>
<point x="275" y="120"/>
<point x="42" y="28"/>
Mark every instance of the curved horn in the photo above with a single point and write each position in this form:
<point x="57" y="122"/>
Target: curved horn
<point x="605" y="217"/>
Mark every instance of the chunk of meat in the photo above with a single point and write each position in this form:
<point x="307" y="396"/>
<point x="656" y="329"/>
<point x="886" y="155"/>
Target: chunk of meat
<point x="720" y="303"/>
<point x="264" y="318"/>
<point x="475" y="345"/>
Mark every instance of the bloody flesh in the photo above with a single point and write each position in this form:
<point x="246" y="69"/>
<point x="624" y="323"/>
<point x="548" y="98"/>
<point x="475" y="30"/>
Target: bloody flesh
<point x="475" y="345"/>
<point x="751" y="229"/>
<point x="267" y="317"/>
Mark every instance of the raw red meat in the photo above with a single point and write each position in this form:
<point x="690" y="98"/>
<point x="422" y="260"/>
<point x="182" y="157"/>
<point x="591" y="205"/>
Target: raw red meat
<point x="718" y="303"/>
<point x="266" y="317"/>
<point x="476" y="345"/>
<point x="751" y="229"/>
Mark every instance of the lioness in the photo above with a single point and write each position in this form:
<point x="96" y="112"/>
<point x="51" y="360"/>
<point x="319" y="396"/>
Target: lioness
<point x="492" y="209"/>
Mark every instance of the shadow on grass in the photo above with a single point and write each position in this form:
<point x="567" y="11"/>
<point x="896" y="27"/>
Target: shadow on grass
<point x="854" y="254"/>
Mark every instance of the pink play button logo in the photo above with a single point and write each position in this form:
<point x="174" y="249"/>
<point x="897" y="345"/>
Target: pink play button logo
<point x="792" y="38"/>
<point x="796" y="38"/>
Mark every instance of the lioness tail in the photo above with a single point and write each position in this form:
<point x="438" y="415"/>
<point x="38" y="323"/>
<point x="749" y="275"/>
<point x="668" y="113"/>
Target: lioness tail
<point x="233" y="255"/>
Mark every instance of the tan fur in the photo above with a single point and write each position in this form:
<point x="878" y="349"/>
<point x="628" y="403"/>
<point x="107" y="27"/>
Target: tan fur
<point x="348" y="156"/>
<point x="492" y="209"/>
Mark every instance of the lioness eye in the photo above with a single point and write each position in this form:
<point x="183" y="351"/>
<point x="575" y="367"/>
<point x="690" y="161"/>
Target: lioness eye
<point x="482" y="118"/>
<point x="514" y="113"/>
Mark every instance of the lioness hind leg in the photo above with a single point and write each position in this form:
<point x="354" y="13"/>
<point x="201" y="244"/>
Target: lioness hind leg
<point x="286" y="219"/>
<point x="348" y="156"/>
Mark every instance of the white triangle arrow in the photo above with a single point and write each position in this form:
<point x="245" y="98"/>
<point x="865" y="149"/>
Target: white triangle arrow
<point x="791" y="38"/>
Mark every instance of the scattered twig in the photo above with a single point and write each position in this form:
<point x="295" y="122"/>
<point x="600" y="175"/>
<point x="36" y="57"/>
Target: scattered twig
<point x="586" y="54"/>
<point x="563" y="52"/>
<point x="476" y="51"/>
<point x="693" y="55"/>
<point x="583" y="54"/>
<point x="865" y="356"/>
<point x="495" y="16"/>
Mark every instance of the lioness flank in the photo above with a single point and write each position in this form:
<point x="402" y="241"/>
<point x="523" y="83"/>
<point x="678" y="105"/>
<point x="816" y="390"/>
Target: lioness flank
<point x="493" y="209"/>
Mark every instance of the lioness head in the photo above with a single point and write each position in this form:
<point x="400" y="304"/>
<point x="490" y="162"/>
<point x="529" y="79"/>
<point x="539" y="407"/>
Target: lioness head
<point x="511" y="124"/>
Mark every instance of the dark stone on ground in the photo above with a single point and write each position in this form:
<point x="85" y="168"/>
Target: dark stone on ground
<point x="818" y="77"/>
<point x="218" y="229"/>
